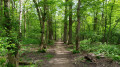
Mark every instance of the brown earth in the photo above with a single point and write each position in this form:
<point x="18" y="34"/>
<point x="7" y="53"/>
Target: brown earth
<point x="63" y="58"/>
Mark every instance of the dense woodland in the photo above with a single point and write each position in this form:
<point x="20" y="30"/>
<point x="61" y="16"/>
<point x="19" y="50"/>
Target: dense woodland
<point x="86" y="25"/>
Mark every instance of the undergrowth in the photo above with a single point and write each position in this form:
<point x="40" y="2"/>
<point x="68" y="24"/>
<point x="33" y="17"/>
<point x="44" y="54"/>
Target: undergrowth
<point x="108" y="50"/>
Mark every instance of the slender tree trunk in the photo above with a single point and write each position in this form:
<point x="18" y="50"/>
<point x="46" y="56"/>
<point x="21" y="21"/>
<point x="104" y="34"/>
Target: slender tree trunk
<point x="20" y="19"/>
<point x="55" y="31"/>
<point x="50" y="29"/>
<point x="47" y="32"/>
<point x="13" y="4"/>
<point x="78" y="26"/>
<point x="95" y="21"/>
<point x="110" y="19"/>
<point x="38" y="11"/>
<point x="12" y="57"/>
<point x="13" y="7"/>
<point x="70" y="23"/>
<point x="9" y="4"/>
<point x="1" y="8"/>
<point x="105" y="26"/>
<point x="43" y="25"/>
<point x="24" y="23"/>
<point x="65" y="23"/>
<point x="28" y="21"/>
<point x="49" y="16"/>
<point x="102" y="20"/>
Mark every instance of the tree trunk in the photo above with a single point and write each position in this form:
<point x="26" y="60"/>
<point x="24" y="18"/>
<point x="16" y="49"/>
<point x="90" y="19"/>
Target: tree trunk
<point x="78" y="26"/>
<point x="20" y="19"/>
<point x="55" y="31"/>
<point x="41" y="25"/>
<point x="49" y="16"/>
<point x="65" y="23"/>
<point x="24" y="23"/>
<point x="95" y="21"/>
<point x="50" y="29"/>
<point x="105" y="26"/>
<point x="38" y="11"/>
<point x="28" y="21"/>
<point x="1" y="8"/>
<point x="70" y="23"/>
<point x="110" y="19"/>
<point x="12" y="57"/>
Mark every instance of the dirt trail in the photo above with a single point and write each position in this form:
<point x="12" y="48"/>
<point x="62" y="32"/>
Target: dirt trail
<point x="62" y="56"/>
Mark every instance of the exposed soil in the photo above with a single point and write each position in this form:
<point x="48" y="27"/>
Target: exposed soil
<point x="63" y="58"/>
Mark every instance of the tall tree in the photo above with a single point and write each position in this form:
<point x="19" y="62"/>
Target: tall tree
<point x="55" y="31"/>
<point x="24" y="23"/>
<point x="49" y="18"/>
<point x="95" y="20"/>
<point x="70" y="22"/>
<point x="110" y="20"/>
<point x="20" y="19"/>
<point x="78" y="26"/>
<point x="12" y="57"/>
<point x="43" y="24"/>
<point x="1" y="8"/>
<point x="42" y="21"/>
<point x="105" y="25"/>
<point x="65" y="23"/>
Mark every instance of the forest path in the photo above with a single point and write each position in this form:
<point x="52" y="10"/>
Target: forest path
<point x="62" y="56"/>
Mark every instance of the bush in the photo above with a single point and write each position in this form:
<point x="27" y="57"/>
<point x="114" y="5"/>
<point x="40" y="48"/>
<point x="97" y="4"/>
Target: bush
<point x="51" y="42"/>
<point x="2" y="60"/>
<point x="30" y="41"/>
<point x="86" y="41"/>
<point x="42" y="51"/>
<point x="74" y="51"/>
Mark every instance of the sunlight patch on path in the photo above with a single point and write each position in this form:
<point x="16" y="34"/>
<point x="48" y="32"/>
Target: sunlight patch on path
<point x="62" y="57"/>
<point x="59" y="61"/>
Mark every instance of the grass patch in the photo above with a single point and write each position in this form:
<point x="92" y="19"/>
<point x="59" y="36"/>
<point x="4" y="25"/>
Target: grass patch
<point x="49" y="56"/>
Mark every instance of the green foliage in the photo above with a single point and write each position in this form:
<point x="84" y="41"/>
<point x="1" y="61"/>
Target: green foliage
<point x="42" y="51"/>
<point x="74" y="51"/>
<point x="98" y="57"/>
<point x="84" y="45"/>
<point x="3" y="46"/>
<point x="115" y="57"/>
<point x="2" y="60"/>
<point x="30" y="41"/>
<point x="49" y="56"/>
<point x="51" y="42"/>
<point x="86" y="41"/>
<point x="108" y="50"/>
<point x="94" y="36"/>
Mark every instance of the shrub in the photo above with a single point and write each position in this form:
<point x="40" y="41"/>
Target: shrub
<point x="2" y="60"/>
<point x="42" y="51"/>
<point x="108" y="50"/>
<point x="74" y="51"/>
<point x="30" y="41"/>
